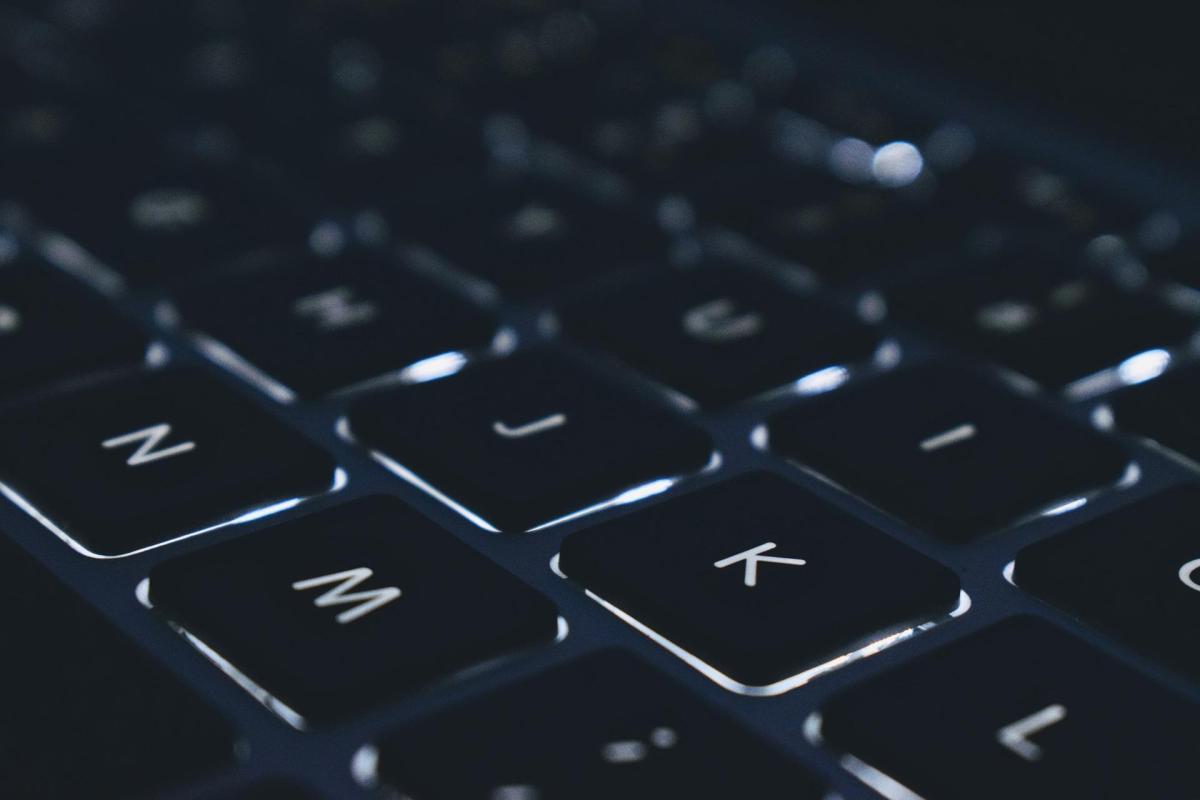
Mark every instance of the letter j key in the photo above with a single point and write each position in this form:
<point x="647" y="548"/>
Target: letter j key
<point x="524" y="440"/>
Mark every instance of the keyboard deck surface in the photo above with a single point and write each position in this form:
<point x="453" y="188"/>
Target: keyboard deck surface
<point x="571" y="282"/>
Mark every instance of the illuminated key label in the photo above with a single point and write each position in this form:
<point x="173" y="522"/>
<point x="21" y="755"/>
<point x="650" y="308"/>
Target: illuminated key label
<point x="752" y="557"/>
<point x="1016" y="736"/>
<point x="547" y="423"/>
<point x="718" y="321"/>
<point x="960" y="433"/>
<point x="1188" y="572"/>
<point x="364" y="602"/>
<point x="148" y="439"/>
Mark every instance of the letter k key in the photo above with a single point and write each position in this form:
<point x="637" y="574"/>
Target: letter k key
<point x="752" y="557"/>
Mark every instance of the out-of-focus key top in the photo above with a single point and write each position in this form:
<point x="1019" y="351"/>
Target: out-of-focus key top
<point x="1039" y="313"/>
<point x="86" y="713"/>
<point x="160" y="220"/>
<point x="602" y="727"/>
<point x="719" y="335"/>
<point x="530" y="238"/>
<point x="53" y="331"/>
<point x="1134" y="572"/>
<point x="1020" y="709"/>
<point x="315" y="326"/>
<point x="1163" y="410"/>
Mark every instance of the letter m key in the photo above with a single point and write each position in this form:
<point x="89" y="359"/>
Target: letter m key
<point x="364" y="602"/>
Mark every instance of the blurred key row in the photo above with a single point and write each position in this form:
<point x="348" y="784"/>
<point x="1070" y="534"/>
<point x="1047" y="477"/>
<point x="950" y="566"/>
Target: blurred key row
<point x="536" y="436"/>
<point x="718" y="333"/>
<point x="188" y="168"/>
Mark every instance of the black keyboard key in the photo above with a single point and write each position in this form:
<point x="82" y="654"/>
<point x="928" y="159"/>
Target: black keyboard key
<point x="568" y="71"/>
<point x="316" y="325"/>
<point x="719" y="335"/>
<point x="1036" y="312"/>
<point x="530" y="237"/>
<point x="358" y="156"/>
<point x="136" y="462"/>
<point x="86" y="712"/>
<point x="847" y="110"/>
<point x="58" y="113"/>
<point x="1163" y="410"/>
<point x="337" y="612"/>
<point x="177" y="223"/>
<point x="527" y="439"/>
<point x="1020" y="709"/>
<point x="128" y="36"/>
<point x="842" y="230"/>
<point x="1179" y="262"/>
<point x="1134" y="572"/>
<point x="946" y="449"/>
<point x="53" y="330"/>
<point x="758" y="578"/>
<point x="1000" y="192"/>
<point x="156" y="206"/>
<point x="601" y="727"/>
<point x="662" y="141"/>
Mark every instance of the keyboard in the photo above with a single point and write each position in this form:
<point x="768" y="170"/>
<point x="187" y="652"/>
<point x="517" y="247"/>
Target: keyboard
<point x="525" y="400"/>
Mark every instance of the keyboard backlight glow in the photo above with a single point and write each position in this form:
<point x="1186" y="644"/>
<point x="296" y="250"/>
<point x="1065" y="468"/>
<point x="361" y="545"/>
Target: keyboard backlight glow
<point x="1144" y="366"/>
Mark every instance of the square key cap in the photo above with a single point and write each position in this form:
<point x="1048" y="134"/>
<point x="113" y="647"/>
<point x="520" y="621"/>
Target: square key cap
<point x="139" y="461"/>
<point x="531" y="238"/>
<point x="758" y="578"/>
<point x="719" y="335"/>
<point x="843" y="231"/>
<point x="1163" y="410"/>
<point x="159" y="223"/>
<point x="53" y="331"/>
<point x="1020" y="709"/>
<point x="341" y="610"/>
<point x="602" y="727"/>
<point x="527" y="439"/>
<point x="1179" y="262"/>
<point x="1036" y="311"/>
<point x="950" y="451"/>
<point x="87" y="711"/>
<point x="359" y="155"/>
<point x="1134" y="572"/>
<point x="315" y="325"/>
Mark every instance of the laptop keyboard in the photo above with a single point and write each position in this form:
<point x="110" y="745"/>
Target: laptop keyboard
<point x="518" y="400"/>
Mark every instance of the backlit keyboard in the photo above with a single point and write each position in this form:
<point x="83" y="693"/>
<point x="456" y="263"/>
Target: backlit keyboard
<point x="521" y="400"/>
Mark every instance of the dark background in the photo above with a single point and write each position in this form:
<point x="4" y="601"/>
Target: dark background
<point x="1128" y="71"/>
